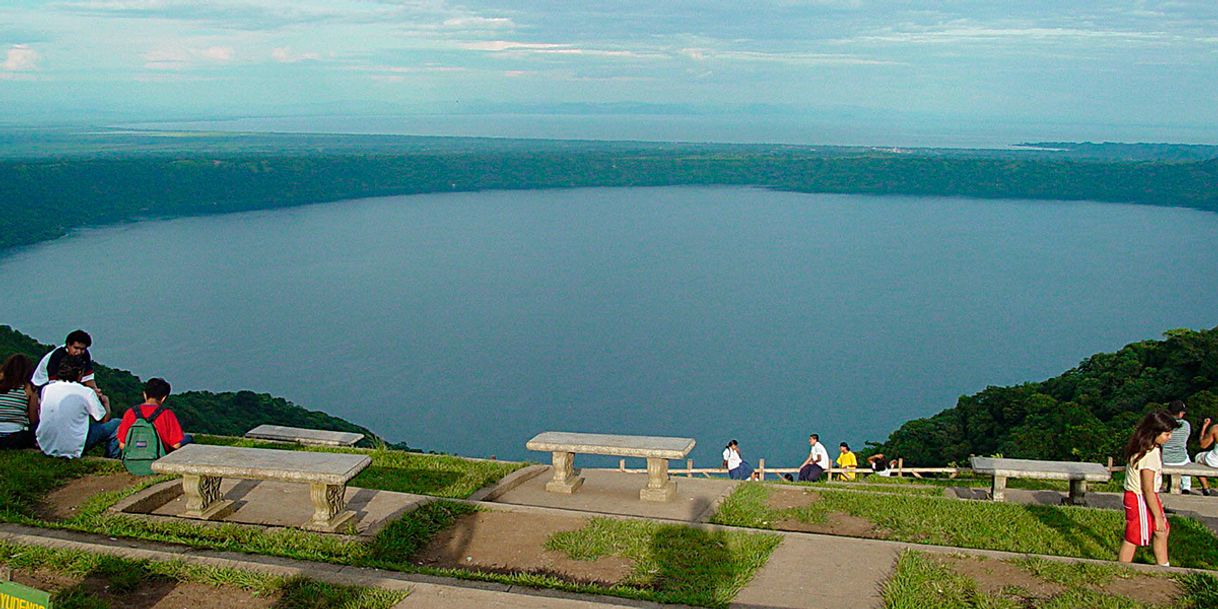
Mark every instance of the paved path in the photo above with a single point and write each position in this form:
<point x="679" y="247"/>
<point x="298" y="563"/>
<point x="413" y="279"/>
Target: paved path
<point x="806" y="572"/>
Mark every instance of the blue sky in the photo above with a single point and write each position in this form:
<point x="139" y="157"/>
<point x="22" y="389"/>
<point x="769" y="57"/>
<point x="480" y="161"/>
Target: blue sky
<point x="1149" y="64"/>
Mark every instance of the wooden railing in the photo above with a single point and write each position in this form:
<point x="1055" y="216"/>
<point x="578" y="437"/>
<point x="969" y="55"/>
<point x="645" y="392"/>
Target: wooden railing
<point x="689" y="471"/>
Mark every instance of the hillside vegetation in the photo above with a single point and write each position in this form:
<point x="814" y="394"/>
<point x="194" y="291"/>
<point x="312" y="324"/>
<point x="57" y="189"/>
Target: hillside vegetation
<point x="1086" y="413"/>
<point x="227" y="413"/>
<point x="44" y="197"/>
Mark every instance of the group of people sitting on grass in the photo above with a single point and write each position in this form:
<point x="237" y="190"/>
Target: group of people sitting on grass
<point x="57" y="407"/>
<point x="813" y="468"/>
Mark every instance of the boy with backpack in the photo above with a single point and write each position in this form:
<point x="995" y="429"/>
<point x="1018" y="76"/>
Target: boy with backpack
<point x="149" y="431"/>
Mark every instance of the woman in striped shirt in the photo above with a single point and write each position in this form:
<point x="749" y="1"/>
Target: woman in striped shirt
<point x="18" y="403"/>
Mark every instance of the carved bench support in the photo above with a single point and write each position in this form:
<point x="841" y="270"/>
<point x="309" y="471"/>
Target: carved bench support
<point x="203" y="498"/>
<point x="328" y="507"/>
<point x="659" y="486"/>
<point x="565" y="481"/>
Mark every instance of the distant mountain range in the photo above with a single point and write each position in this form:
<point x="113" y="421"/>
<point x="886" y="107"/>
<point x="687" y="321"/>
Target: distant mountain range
<point x="54" y="181"/>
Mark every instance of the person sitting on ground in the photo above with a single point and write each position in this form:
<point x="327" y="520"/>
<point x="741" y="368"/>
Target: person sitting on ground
<point x="1175" y="450"/>
<point x="881" y="466"/>
<point x="1209" y="457"/>
<point x="737" y="467"/>
<point x="847" y="461"/>
<point x="75" y="350"/>
<point x="817" y="462"/>
<point x="73" y="419"/>
<point x="18" y="403"/>
<point x="168" y="429"/>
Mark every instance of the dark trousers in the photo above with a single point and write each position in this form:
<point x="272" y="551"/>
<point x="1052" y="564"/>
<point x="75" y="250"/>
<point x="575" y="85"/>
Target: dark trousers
<point x="810" y="472"/>
<point x="17" y="439"/>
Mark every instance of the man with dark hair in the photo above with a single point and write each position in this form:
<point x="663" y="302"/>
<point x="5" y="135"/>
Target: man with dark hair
<point x="166" y="423"/>
<point x="75" y="351"/>
<point x="73" y="419"/>
<point x="817" y="462"/>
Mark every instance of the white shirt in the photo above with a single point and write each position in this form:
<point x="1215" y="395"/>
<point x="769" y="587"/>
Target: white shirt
<point x="64" y="421"/>
<point x="821" y="456"/>
<point x="733" y="458"/>
<point x="42" y="376"/>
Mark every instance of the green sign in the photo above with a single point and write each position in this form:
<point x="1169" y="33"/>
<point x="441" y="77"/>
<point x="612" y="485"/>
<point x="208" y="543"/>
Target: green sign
<point x="16" y="596"/>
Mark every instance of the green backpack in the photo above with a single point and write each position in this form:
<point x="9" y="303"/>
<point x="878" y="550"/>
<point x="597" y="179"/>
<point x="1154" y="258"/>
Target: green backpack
<point x="142" y="445"/>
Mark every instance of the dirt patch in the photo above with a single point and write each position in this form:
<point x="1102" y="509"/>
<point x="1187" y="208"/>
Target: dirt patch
<point x="993" y="576"/>
<point x="62" y="503"/>
<point x="997" y="577"/>
<point x="509" y="542"/>
<point x="154" y="593"/>
<point x="836" y="523"/>
<point x="783" y="498"/>
<point x="1145" y="589"/>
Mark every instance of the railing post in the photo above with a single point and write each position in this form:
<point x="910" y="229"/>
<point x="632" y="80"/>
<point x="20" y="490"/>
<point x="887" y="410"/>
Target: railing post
<point x="900" y="467"/>
<point x="621" y="465"/>
<point x="689" y="468"/>
<point x="761" y="469"/>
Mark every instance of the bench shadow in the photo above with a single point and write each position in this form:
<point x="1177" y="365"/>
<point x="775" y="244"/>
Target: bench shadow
<point x="693" y="561"/>
<point x="359" y="502"/>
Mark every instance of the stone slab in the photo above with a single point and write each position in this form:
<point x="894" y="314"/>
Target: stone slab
<point x="262" y="464"/>
<point x="612" y="492"/>
<point x="1045" y="470"/>
<point x="280" y="433"/>
<point x="276" y="504"/>
<point x="610" y="444"/>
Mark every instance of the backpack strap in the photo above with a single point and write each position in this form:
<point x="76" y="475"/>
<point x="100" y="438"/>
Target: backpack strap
<point x="138" y="411"/>
<point x="156" y="413"/>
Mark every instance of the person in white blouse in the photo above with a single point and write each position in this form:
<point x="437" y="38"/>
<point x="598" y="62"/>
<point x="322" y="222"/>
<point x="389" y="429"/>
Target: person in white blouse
<point x="737" y="467"/>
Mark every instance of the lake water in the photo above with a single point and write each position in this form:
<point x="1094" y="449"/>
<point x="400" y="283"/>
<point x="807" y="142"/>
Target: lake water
<point x="468" y="322"/>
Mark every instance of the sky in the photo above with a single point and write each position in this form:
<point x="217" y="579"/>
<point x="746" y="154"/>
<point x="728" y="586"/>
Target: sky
<point x="1147" y="67"/>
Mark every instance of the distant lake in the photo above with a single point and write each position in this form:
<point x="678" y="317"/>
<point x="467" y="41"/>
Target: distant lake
<point x="468" y="322"/>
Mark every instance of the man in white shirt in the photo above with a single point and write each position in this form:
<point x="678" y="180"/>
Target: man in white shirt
<point x="817" y="462"/>
<point x="75" y="351"/>
<point x="73" y="419"/>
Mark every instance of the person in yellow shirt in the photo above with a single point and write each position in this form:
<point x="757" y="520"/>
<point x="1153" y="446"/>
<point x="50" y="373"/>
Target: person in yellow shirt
<point x="846" y="460"/>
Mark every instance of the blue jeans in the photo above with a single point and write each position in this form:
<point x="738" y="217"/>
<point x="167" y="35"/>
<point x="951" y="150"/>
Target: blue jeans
<point x="744" y="471"/>
<point x="103" y="432"/>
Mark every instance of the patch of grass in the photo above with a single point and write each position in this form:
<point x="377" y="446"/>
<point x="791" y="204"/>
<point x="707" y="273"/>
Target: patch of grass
<point x="682" y="564"/>
<point x="919" y="582"/>
<point x="1028" y="529"/>
<point x="404" y="537"/>
<point x="121" y="576"/>
<point x="29" y="475"/>
<point x="1071" y="575"/>
<point x="402" y="471"/>
<point x="912" y="488"/>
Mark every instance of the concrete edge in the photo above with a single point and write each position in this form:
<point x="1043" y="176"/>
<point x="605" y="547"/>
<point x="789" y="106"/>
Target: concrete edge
<point x="287" y="567"/>
<point x="507" y="483"/>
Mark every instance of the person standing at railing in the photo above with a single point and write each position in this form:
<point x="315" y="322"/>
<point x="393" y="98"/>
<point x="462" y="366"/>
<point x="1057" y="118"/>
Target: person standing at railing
<point x="847" y="461"/>
<point x="737" y="467"/>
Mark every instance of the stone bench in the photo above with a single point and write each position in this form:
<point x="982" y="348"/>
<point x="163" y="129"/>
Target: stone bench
<point x="1079" y="474"/>
<point x="657" y="451"/>
<point x="1172" y="474"/>
<point x="202" y="467"/>
<point x="300" y="435"/>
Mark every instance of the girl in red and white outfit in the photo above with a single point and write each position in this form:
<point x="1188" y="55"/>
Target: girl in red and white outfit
<point x="1145" y="522"/>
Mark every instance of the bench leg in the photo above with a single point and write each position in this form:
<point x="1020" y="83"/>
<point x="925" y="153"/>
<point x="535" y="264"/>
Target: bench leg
<point x="565" y="481"/>
<point x="1078" y="492"/>
<point x="1174" y="482"/>
<point x="203" y="498"/>
<point x="659" y="487"/>
<point x="329" y="501"/>
<point x="998" y="488"/>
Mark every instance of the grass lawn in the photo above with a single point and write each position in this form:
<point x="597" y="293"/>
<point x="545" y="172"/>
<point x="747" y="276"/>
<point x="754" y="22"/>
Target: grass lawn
<point x="94" y="581"/>
<point x="923" y="580"/>
<point x="679" y="564"/>
<point x="682" y="564"/>
<point x="401" y="471"/>
<point x="1033" y="529"/>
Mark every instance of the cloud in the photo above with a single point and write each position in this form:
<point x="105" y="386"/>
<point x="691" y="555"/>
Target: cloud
<point x="181" y="57"/>
<point x="285" y="55"/>
<point x="479" y="23"/>
<point x="20" y="58"/>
